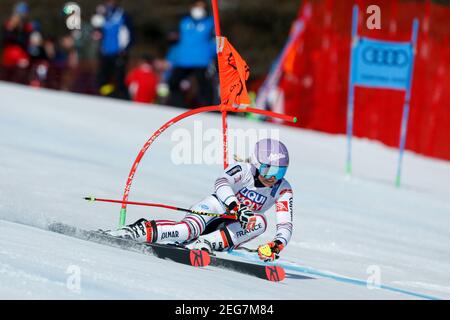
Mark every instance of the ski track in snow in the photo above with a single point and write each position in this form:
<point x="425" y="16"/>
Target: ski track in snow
<point x="56" y="148"/>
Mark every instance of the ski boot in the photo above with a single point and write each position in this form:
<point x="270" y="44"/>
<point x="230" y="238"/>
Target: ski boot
<point x="201" y="244"/>
<point x="141" y="231"/>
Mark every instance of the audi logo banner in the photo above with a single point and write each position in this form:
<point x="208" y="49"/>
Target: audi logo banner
<point x="382" y="64"/>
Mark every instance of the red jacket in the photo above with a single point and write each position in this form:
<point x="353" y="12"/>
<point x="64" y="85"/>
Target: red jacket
<point x="141" y="82"/>
<point x="15" y="44"/>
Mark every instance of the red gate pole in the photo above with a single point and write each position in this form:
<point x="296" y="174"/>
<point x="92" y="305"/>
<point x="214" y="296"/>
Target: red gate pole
<point x="215" y="9"/>
<point x="222" y="108"/>
<point x="164" y="127"/>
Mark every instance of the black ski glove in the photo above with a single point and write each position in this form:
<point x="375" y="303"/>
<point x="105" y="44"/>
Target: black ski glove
<point x="245" y="215"/>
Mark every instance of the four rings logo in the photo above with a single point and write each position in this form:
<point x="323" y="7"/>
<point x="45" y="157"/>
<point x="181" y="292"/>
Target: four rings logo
<point x="385" y="57"/>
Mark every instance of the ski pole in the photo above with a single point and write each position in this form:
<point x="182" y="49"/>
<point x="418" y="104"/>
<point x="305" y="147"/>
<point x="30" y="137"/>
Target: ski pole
<point x="221" y="215"/>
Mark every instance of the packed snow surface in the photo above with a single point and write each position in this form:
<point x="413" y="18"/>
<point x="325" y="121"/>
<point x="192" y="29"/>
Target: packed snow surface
<point x="358" y="238"/>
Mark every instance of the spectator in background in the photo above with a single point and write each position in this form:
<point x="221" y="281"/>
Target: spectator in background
<point x="193" y="54"/>
<point x="70" y="61"/>
<point x="164" y="67"/>
<point x="142" y="81"/>
<point x="117" y="38"/>
<point x="171" y="54"/>
<point x="39" y="60"/>
<point x="16" y="33"/>
<point x="86" y="46"/>
<point x="55" y="68"/>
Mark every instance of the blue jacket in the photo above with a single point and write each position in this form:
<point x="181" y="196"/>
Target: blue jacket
<point x="117" y="33"/>
<point x="196" y="47"/>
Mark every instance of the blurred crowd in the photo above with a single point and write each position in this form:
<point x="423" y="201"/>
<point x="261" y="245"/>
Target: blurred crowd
<point x="94" y="57"/>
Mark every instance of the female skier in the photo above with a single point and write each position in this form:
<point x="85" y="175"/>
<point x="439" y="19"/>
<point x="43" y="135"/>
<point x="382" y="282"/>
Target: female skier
<point x="246" y="190"/>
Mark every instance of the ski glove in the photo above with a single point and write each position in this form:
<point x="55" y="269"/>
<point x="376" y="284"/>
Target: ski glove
<point x="270" y="251"/>
<point x="245" y="216"/>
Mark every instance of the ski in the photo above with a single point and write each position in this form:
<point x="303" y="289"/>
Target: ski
<point x="266" y="272"/>
<point x="196" y="258"/>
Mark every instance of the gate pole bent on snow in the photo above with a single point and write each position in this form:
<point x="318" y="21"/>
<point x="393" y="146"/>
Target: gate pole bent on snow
<point x="220" y="108"/>
<point x="157" y="133"/>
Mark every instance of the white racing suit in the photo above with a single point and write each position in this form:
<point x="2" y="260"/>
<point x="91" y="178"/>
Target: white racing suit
<point x="237" y="183"/>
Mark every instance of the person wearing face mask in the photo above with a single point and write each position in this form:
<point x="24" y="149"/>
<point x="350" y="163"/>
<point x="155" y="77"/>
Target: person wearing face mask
<point x="116" y="40"/>
<point x="195" y="51"/>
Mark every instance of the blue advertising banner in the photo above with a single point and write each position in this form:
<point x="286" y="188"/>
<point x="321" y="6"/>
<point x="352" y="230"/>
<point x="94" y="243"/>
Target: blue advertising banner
<point x="382" y="64"/>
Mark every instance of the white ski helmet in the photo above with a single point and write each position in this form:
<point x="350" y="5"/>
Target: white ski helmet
<point x="271" y="158"/>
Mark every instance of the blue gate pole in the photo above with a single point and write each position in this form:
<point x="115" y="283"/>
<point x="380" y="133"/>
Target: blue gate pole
<point x="406" y="107"/>
<point x="350" y="106"/>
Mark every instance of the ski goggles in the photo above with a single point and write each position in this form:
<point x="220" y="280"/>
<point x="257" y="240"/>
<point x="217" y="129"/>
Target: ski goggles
<point x="268" y="171"/>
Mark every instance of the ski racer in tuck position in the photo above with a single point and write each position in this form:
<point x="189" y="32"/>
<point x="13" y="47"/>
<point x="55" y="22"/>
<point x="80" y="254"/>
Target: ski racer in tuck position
<point x="246" y="190"/>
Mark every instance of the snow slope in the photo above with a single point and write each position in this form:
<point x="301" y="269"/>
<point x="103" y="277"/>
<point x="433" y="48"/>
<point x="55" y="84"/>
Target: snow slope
<point x="56" y="148"/>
